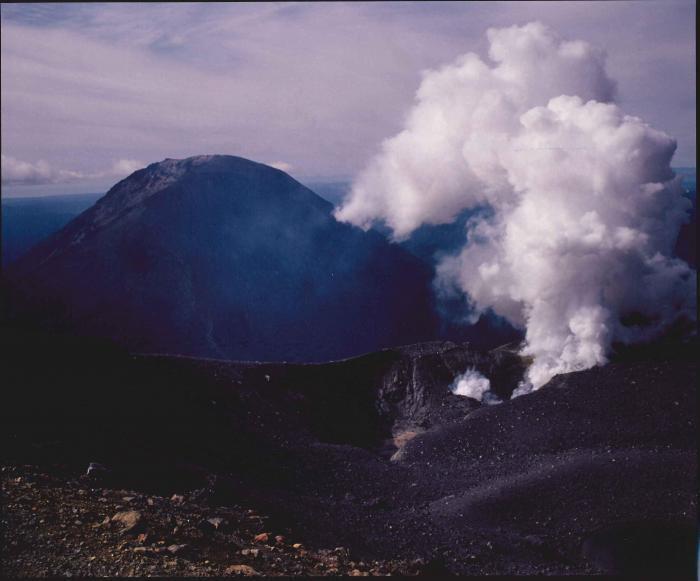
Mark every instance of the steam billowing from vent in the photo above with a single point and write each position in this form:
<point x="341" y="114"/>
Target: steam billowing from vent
<point x="584" y="206"/>
<point x="475" y="385"/>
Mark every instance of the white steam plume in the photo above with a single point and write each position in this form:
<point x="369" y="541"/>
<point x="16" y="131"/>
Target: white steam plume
<point x="586" y="209"/>
<point x="473" y="384"/>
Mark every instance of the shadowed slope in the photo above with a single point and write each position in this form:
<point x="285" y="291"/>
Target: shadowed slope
<point x="551" y="482"/>
<point x="220" y="256"/>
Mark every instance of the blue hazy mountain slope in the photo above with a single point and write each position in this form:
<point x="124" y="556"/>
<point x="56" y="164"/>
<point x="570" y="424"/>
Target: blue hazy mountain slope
<point x="26" y="221"/>
<point x="224" y="257"/>
<point x="687" y="243"/>
<point x="689" y="176"/>
<point x="333" y="191"/>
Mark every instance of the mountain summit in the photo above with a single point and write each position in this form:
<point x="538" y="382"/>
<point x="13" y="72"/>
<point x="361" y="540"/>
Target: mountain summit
<point x="220" y="256"/>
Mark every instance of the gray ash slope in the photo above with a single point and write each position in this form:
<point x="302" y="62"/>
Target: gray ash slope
<point x="596" y="472"/>
<point x="219" y="256"/>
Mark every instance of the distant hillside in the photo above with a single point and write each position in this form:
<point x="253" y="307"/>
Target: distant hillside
<point x="26" y="221"/>
<point x="219" y="256"/>
<point x="334" y="192"/>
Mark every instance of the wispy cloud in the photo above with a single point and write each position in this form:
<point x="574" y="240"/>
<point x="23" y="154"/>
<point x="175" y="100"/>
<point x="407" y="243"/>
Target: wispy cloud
<point x="17" y="172"/>
<point x="319" y="85"/>
<point x="124" y="167"/>
<point x="283" y="165"/>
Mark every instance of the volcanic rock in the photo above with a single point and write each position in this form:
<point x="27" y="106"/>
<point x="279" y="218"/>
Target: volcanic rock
<point x="534" y="485"/>
<point x="243" y="570"/>
<point x="215" y="523"/>
<point x="176" y="549"/>
<point x="130" y="520"/>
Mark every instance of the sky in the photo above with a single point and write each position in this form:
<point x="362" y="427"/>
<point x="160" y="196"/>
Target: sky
<point x="91" y="92"/>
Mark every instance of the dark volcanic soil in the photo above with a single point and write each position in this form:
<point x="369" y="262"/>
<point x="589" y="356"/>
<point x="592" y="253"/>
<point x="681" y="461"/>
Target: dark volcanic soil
<point x="56" y="525"/>
<point x="594" y="473"/>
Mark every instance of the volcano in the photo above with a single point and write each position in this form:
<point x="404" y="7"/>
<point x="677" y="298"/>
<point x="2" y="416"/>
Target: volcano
<point x="219" y="256"/>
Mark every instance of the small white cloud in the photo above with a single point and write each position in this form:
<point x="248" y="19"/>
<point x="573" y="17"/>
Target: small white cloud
<point x="282" y="165"/>
<point x="124" y="167"/>
<point x="18" y="172"/>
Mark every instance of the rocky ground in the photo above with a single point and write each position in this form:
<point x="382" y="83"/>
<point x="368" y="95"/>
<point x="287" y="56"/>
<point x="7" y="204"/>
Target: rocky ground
<point x="370" y="464"/>
<point x="59" y="525"/>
